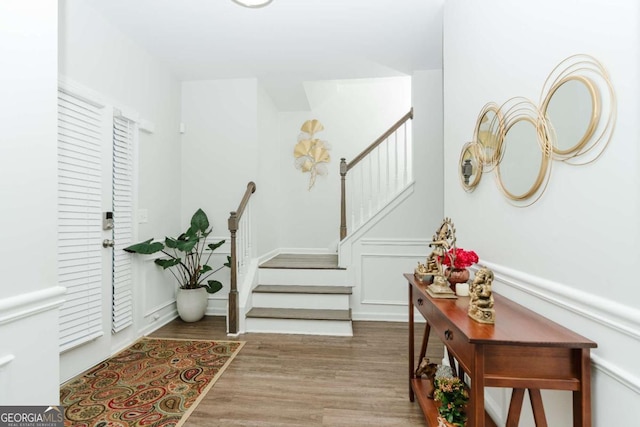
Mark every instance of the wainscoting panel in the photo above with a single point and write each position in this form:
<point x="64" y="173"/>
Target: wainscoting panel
<point x="21" y="358"/>
<point x="382" y="283"/>
<point x="613" y="326"/>
<point x="380" y="291"/>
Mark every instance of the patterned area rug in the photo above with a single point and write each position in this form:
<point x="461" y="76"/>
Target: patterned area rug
<point x="155" y="382"/>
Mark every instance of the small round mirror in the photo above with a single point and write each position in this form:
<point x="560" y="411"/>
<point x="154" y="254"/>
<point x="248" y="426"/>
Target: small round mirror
<point x="470" y="167"/>
<point x="523" y="167"/>
<point x="572" y="107"/>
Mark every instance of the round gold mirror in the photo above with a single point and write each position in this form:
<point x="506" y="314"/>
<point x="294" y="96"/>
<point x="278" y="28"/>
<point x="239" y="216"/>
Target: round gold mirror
<point x="488" y="131"/>
<point x="524" y="165"/>
<point x="572" y="106"/>
<point x="470" y="166"/>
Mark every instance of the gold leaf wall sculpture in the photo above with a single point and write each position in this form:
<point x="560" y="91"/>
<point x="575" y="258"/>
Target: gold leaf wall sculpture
<point x="311" y="154"/>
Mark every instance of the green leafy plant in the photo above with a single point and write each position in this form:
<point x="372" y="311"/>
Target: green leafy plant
<point x="453" y="397"/>
<point x="186" y="253"/>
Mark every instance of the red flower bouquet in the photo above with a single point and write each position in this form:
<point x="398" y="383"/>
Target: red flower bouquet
<point x="461" y="258"/>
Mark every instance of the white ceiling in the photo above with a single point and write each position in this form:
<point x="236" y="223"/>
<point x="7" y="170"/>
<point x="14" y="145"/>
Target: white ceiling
<point x="285" y="43"/>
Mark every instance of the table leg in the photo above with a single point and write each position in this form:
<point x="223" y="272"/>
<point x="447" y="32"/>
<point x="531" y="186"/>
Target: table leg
<point x="515" y="407"/>
<point x="412" y="366"/>
<point x="476" y="402"/>
<point x="425" y="341"/>
<point x="538" y="407"/>
<point x="452" y="363"/>
<point x="582" y="397"/>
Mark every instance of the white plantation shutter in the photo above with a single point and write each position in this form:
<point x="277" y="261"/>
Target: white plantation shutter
<point x="79" y="219"/>
<point x="123" y="132"/>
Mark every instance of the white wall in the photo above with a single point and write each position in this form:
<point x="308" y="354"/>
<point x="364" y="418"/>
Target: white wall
<point x="221" y="153"/>
<point x="354" y="113"/>
<point x="234" y="134"/>
<point x="28" y="189"/>
<point x="97" y="56"/>
<point x="269" y="194"/>
<point x="570" y="256"/>
<point x="399" y="239"/>
<point x="219" y="147"/>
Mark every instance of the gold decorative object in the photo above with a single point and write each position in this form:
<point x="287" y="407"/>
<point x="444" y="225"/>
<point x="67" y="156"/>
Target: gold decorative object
<point x="581" y="85"/>
<point x="523" y="169"/>
<point x="481" y="297"/>
<point x="443" y="240"/>
<point x="488" y="134"/>
<point x="311" y="154"/>
<point x="574" y="124"/>
<point x="422" y="273"/>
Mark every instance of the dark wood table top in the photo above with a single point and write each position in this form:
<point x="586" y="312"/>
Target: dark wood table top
<point x="515" y="324"/>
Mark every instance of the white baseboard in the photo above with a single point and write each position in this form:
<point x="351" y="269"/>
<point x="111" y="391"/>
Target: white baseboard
<point x="158" y="323"/>
<point x="306" y="251"/>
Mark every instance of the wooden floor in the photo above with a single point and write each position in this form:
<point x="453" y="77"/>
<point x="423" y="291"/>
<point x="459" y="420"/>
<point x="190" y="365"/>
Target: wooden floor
<point x="305" y="380"/>
<point x="309" y="261"/>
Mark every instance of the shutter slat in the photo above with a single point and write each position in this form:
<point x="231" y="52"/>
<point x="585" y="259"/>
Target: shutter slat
<point x="79" y="218"/>
<point x="122" y="314"/>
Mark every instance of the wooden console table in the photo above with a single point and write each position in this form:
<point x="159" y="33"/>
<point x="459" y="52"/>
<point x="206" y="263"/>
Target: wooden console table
<point x="522" y="351"/>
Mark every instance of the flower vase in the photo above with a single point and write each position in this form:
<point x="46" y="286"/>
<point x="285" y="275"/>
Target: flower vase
<point x="456" y="275"/>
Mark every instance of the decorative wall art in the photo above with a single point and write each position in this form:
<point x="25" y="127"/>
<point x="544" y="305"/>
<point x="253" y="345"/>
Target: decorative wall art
<point x="311" y="154"/>
<point x="573" y="123"/>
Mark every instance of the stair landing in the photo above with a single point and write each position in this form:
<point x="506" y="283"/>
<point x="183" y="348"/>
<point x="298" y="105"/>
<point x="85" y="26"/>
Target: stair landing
<point x="303" y="261"/>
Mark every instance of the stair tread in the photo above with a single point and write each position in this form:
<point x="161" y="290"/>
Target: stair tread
<point x="303" y="289"/>
<point x="299" y="313"/>
<point x="303" y="261"/>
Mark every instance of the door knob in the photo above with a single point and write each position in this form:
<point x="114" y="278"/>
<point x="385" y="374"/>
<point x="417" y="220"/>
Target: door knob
<point x="107" y="243"/>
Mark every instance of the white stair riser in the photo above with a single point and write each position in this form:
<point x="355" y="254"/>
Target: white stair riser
<point x="313" y="301"/>
<point x="299" y="326"/>
<point x="282" y="276"/>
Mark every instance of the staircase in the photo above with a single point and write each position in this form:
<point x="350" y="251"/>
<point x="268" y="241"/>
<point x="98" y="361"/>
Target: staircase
<point x="301" y="294"/>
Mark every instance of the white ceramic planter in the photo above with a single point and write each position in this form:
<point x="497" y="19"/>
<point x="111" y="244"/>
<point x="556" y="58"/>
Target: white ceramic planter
<point x="192" y="304"/>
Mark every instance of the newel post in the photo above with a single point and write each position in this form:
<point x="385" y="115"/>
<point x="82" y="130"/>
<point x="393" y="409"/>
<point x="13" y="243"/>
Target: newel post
<point x="343" y="201"/>
<point x="233" y="302"/>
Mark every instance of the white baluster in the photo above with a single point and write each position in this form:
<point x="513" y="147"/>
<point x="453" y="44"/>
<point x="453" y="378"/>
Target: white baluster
<point x="362" y="194"/>
<point x="394" y="164"/>
<point x="379" y="186"/>
<point x="353" y="189"/>
<point x="388" y="192"/>
<point x="370" y="187"/>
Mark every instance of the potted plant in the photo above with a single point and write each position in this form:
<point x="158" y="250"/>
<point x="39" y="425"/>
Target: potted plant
<point x="187" y="258"/>
<point x="452" y="396"/>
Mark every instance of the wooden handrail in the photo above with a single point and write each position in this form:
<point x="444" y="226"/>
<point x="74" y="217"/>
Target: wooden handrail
<point x="251" y="188"/>
<point x="379" y="141"/>
<point x="345" y="167"/>
<point x="234" y="221"/>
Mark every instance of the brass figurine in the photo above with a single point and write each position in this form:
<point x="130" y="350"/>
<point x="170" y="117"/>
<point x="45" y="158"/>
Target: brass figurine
<point x="481" y="297"/>
<point x="429" y="371"/>
<point x="443" y="240"/>
<point x="422" y="273"/>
